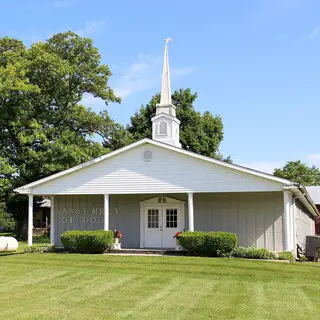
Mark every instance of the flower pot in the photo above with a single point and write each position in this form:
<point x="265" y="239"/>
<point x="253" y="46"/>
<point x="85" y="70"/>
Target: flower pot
<point x="116" y="244"/>
<point x="178" y="247"/>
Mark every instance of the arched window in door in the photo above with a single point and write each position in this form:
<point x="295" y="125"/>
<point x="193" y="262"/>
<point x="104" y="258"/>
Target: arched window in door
<point x="163" y="128"/>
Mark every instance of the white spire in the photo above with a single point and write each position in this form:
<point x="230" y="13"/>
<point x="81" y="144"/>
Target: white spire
<point x="165" y="125"/>
<point x="165" y="87"/>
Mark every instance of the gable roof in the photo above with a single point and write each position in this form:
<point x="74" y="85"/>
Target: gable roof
<point x="314" y="192"/>
<point x="299" y="191"/>
<point x="160" y="144"/>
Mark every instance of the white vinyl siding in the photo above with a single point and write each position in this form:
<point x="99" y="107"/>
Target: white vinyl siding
<point x="167" y="172"/>
<point x="304" y="224"/>
<point x="255" y="217"/>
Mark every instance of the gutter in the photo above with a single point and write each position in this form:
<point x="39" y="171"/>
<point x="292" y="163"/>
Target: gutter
<point x="301" y="192"/>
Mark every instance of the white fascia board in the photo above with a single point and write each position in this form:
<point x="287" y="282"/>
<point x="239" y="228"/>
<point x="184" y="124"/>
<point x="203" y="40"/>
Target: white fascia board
<point x="162" y="114"/>
<point x="26" y="189"/>
<point x="301" y="193"/>
<point x="223" y="163"/>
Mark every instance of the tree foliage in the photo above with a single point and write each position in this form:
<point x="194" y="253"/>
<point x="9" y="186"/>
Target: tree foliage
<point x="200" y="133"/>
<point x="44" y="128"/>
<point x="300" y="172"/>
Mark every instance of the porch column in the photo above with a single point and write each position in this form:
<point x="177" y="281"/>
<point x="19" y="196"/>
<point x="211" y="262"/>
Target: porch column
<point x="294" y="226"/>
<point x="190" y="212"/>
<point x="30" y="219"/>
<point x="286" y="221"/>
<point x="106" y="211"/>
<point x="52" y="221"/>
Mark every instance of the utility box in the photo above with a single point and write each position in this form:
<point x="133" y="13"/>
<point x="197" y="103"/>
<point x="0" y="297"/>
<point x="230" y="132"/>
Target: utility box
<point x="313" y="243"/>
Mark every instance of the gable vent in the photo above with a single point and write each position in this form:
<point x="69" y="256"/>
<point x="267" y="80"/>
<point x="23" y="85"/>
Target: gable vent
<point x="147" y="155"/>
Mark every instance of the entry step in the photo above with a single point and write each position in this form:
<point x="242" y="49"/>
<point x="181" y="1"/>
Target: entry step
<point x="147" y="251"/>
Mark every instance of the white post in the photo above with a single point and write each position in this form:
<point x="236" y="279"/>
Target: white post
<point x="106" y="212"/>
<point x="294" y="225"/>
<point x="190" y="212"/>
<point x="52" y="221"/>
<point x="286" y="221"/>
<point x="290" y="223"/>
<point x="30" y="219"/>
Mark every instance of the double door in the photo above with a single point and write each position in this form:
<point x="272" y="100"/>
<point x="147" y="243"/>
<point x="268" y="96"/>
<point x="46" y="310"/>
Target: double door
<point x="161" y="224"/>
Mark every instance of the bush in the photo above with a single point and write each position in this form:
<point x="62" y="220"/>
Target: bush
<point x="286" y="255"/>
<point x="34" y="249"/>
<point x="209" y="244"/>
<point x="31" y="249"/>
<point x="87" y="241"/>
<point x="7" y="223"/>
<point x="252" y="253"/>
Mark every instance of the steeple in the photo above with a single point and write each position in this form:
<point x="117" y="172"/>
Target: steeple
<point x="165" y="125"/>
<point x="165" y="87"/>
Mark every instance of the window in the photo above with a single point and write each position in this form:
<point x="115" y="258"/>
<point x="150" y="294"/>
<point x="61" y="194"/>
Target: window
<point x="163" y="127"/>
<point x="153" y="218"/>
<point x="171" y="218"/>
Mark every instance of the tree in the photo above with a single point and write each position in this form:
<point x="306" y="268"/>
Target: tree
<point x="200" y="133"/>
<point x="44" y="128"/>
<point x="6" y="171"/>
<point x="300" y="172"/>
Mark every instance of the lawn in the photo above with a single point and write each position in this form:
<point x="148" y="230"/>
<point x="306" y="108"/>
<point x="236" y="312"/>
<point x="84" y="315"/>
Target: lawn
<point x="71" y="286"/>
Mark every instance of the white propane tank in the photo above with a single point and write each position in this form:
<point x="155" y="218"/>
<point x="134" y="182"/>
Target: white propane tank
<point x="8" y="244"/>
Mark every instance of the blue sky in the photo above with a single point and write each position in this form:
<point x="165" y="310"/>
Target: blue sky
<point x="254" y="62"/>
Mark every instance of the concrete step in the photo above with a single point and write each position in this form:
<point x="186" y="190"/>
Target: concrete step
<point x="146" y="251"/>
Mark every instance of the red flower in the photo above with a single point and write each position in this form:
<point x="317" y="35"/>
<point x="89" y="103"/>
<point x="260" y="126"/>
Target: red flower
<point x="117" y="234"/>
<point x="177" y="235"/>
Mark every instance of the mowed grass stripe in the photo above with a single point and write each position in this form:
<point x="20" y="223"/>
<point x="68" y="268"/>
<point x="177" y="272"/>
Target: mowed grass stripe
<point x="70" y="286"/>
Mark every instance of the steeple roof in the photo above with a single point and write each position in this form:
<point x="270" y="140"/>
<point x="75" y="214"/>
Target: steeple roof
<point x="165" y="87"/>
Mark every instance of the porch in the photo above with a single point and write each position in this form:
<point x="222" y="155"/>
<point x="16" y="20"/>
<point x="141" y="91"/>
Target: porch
<point x="151" y="220"/>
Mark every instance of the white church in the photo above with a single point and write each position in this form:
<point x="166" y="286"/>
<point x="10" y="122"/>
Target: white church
<point x="151" y="189"/>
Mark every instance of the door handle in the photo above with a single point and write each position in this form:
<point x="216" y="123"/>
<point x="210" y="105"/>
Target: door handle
<point x="161" y="228"/>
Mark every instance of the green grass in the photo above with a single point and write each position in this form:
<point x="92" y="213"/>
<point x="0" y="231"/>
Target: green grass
<point x="71" y="286"/>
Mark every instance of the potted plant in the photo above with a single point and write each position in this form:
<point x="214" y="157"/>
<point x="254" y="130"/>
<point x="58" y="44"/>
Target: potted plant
<point x="177" y="236"/>
<point x="117" y="236"/>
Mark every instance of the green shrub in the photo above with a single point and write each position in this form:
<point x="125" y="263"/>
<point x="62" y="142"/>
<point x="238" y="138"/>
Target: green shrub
<point x="252" y="253"/>
<point x="96" y="241"/>
<point x="209" y="244"/>
<point x="286" y="255"/>
<point x="33" y="249"/>
<point x="7" y="223"/>
<point x="49" y="248"/>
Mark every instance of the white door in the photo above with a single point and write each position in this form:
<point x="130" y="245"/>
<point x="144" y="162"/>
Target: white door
<point x="171" y="225"/>
<point x="161" y="224"/>
<point x="153" y="225"/>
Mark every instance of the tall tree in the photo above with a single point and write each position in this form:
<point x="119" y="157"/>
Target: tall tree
<point x="200" y="133"/>
<point x="44" y="128"/>
<point x="300" y="172"/>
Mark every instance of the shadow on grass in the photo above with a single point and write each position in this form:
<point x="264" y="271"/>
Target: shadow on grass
<point x="2" y="254"/>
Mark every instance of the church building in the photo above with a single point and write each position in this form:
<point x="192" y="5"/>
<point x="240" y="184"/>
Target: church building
<point x="153" y="188"/>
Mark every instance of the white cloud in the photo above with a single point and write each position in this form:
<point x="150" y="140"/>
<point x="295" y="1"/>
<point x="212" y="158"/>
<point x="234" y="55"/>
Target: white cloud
<point x="63" y="3"/>
<point x="269" y="166"/>
<point x="184" y="71"/>
<point x="264" y="166"/>
<point x="145" y="73"/>
<point x="314" y="33"/>
<point x="90" y="101"/>
<point x="91" y="28"/>
<point x="314" y="159"/>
